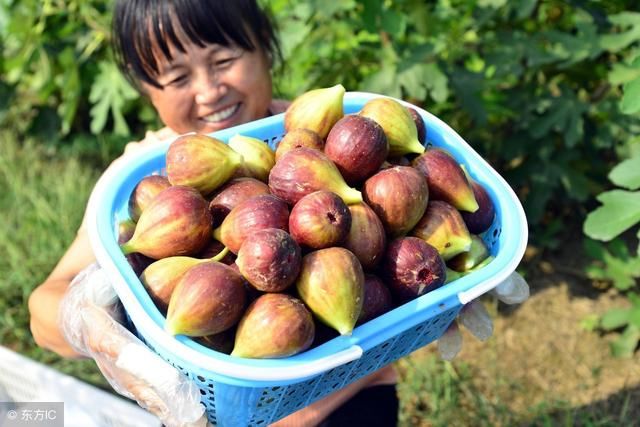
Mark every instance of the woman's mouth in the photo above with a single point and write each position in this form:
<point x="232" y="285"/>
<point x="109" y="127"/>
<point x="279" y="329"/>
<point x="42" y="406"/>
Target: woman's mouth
<point x="221" y="115"/>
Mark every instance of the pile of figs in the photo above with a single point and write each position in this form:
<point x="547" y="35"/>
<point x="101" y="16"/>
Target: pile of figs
<point x="263" y="253"/>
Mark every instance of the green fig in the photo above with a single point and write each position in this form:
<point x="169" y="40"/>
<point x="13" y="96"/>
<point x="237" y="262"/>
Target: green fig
<point x="465" y="261"/>
<point x="258" y="157"/>
<point x="397" y="123"/>
<point x="201" y="162"/>
<point x="275" y="325"/>
<point x="331" y="284"/>
<point x="443" y="228"/>
<point x="317" y="110"/>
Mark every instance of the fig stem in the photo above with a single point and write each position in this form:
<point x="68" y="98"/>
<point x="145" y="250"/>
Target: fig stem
<point x="351" y="196"/>
<point x="221" y="254"/>
<point x="217" y="234"/>
<point x="417" y="147"/>
<point x="127" y="248"/>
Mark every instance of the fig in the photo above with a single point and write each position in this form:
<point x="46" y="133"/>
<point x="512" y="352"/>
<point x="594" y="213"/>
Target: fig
<point x="201" y="162"/>
<point x="377" y="299"/>
<point x="420" y="126"/>
<point x="319" y="220"/>
<point x="256" y="213"/>
<point x="305" y="170"/>
<point x="331" y="284"/>
<point x="452" y="275"/>
<point x="465" y="261"/>
<point x="366" y="238"/>
<point x="269" y="259"/>
<point x="148" y="188"/>
<point x="233" y="192"/>
<point x="479" y="221"/>
<point x="317" y="110"/>
<point x="208" y="299"/>
<point x="274" y="326"/>
<point x="358" y="147"/>
<point x="137" y="262"/>
<point x="258" y="157"/>
<point x="412" y="267"/>
<point x="221" y="342"/>
<point x="398" y="126"/>
<point x="443" y="228"/>
<point x="446" y="179"/>
<point x="399" y="196"/>
<point x="176" y="222"/>
<point x="215" y="249"/>
<point x="297" y="138"/>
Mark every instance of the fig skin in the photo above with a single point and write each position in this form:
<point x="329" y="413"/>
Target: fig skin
<point x="412" y="267"/>
<point x="221" y="342"/>
<point x="377" y="299"/>
<point x="258" y="157"/>
<point x="256" y="213"/>
<point x="297" y="138"/>
<point x="479" y="221"/>
<point x="137" y="262"/>
<point x="270" y="260"/>
<point x="420" y="126"/>
<point x="176" y="222"/>
<point x="367" y="238"/>
<point x="232" y="193"/>
<point x="465" y="261"/>
<point x="214" y="249"/>
<point x="210" y="298"/>
<point x="317" y="109"/>
<point x="274" y="326"/>
<point x="148" y="188"/>
<point x="319" y="220"/>
<point x="399" y="196"/>
<point x="358" y="147"/>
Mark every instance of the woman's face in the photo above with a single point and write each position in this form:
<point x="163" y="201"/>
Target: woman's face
<point x="205" y="89"/>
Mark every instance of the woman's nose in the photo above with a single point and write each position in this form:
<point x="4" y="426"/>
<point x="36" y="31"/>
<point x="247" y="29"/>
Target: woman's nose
<point x="207" y="88"/>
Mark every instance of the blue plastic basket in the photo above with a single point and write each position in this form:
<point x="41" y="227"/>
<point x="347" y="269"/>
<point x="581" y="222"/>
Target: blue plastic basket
<point x="247" y="392"/>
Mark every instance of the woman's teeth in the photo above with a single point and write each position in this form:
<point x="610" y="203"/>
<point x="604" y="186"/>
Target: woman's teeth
<point x="221" y="115"/>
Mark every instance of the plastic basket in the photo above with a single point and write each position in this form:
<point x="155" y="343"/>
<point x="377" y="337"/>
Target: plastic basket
<point x="239" y="392"/>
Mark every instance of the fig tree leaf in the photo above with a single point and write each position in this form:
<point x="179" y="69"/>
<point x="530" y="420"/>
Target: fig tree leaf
<point x="630" y="103"/>
<point x="626" y="344"/>
<point x="630" y="23"/>
<point x="620" y="210"/>
<point x="626" y="174"/>
<point x="394" y="23"/>
<point x="615" y="318"/>
<point x="109" y="93"/>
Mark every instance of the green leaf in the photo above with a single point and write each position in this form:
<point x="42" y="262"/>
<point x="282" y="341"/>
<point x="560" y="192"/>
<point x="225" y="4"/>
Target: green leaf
<point x="394" y="23"/>
<point x="495" y="4"/>
<point x="627" y="174"/>
<point x="630" y="22"/>
<point x="620" y="210"/>
<point x="630" y="103"/>
<point x="626" y="344"/>
<point x="615" y="318"/>
<point x="109" y="93"/>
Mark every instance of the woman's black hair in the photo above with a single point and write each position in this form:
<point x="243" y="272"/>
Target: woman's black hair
<point x="138" y="25"/>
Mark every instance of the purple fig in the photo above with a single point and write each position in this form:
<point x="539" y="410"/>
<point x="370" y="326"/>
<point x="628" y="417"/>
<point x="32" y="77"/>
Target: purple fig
<point x="297" y="138"/>
<point x="446" y="179"/>
<point x="358" y="147"/>
<point x="231" y="194"/>
<point x="317" y="110"/>
<point x="331" y="284"/>
<point x="443" y="228"/>
<point x="176" y="222"/>
<point x="319" y="220"/>
<point x="377" y="299"/>
<point x="305" y="170"/>
<point x="465" y="261"/>
<point x="412" y="267"/>
<point x="399" y="161"/>
<point x="201" y="162"/>
<point x="208" y="299"/>
<point x="367" y="238"/>
<point x="399" y="197"/>
<point x="249" y="216"/>
<point x="148" y="188"/>
<point x="274" y="326"/>
<point x="419" y="122"/>
<point x="221" y="342"/>
<point x="215" y="249"/>
<point x="269" y="259"/>
<point x="479" y="221"/>
<point x="138" y="262"/>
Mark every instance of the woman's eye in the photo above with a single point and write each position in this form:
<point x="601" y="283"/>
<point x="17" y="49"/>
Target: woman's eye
<point x="178" y="80"/>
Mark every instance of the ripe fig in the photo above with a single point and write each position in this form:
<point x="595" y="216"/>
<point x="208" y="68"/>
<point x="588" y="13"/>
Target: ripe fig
<point x="221" y="342"/>
<point x="201" y="162"/>
<point x="446" y="179"/>
<point x="420" y="126"/>
<point x="366" y="238"/>
<point x="208" y="299"/>
<point x="331" y="284"/>
<point x="358" y="147"/>
<point x="258" y="157"/>
<point x="319" y="220"/>
<point x="412" y="267"/>
<point x="399" y="196"/>
<point x="256" y="213"/>
<point x="317" y="110"/>
<point x="465" y="261"/>
<point x="138" y="262"/>
<point x="269" y="259"/>
<point x="377" y="299"/>
<point x="274" y="326"/>
<point x="297" y="138"/>
<point x="395" y="119"/>
<point x="480" y="220"/>
<point x="176" y="222"/>
<point x="233" y="192"/>
<point x="215" y="249"/>
<point x="443" y="228"/>
<point x="148" y="188"/>
<point x="305" y="170"/>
